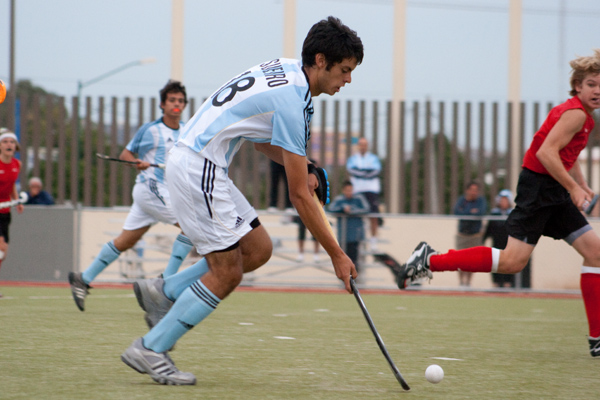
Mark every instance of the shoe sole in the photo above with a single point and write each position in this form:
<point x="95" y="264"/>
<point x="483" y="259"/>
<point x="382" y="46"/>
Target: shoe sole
<point x="132" y="364"/>
<point x="138" y="295"/>
<point x="140" y="299"/>
<point x="156" y="378"/>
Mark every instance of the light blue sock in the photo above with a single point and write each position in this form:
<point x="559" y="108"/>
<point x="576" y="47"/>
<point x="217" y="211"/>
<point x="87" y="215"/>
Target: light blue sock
<point x="107" y="255"/>
<point x="181" y="248"/>
<point x="194" y="304"/>
<point x="176" y="284"/>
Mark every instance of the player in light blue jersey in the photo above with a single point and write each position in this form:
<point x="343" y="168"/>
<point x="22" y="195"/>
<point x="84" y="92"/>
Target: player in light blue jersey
<point x="151" y="200"/>
<point x="271" y="106"/>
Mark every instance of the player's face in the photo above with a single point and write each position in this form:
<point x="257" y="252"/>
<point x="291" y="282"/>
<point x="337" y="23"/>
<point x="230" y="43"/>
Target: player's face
<point x="332" y="80"/>
<point x="589" y="92"/>
<point x="8" y="146"/>
<point x="174" y="105"/>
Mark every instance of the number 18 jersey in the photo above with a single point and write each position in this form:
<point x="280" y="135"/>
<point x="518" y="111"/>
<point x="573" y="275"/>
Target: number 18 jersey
<point x="270" y="102"/>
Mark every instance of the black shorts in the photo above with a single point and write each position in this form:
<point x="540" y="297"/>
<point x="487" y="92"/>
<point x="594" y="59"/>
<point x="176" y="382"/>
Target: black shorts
<point x="544" y="207"/>
<point x="373" y="200"/>
<point x="4" y="223"/>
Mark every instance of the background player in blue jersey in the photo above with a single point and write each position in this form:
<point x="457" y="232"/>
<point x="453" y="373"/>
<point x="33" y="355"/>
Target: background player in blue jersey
<point x="271" y="106"/>
<point x="151" y="200"/>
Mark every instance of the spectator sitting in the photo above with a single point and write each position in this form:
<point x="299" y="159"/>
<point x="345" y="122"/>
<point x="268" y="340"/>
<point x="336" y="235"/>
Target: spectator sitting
<point x="37" y="195"/>
<point x="469" y="230"/>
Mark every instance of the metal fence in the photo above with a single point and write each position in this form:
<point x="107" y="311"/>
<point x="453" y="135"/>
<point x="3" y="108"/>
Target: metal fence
<point x="442" y="146"/>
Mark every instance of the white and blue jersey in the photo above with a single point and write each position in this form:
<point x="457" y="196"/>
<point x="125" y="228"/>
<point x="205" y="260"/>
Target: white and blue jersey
<point x="152" y="143"/>
<point x="269" y="103"/>
<point x="364" y="172"/>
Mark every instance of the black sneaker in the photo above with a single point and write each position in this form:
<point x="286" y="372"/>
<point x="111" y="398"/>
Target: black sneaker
<point x="594" y="346"/>
<point x="79" y="289"/>
<point x="416" y="267"/>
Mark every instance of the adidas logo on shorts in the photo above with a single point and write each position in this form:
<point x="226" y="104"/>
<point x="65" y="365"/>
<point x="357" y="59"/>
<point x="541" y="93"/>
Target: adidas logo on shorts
<point x="239" y="221"/>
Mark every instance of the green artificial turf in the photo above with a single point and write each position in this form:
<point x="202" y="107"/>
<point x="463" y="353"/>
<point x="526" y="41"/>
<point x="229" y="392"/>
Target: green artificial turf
<point x="268" y="345"/>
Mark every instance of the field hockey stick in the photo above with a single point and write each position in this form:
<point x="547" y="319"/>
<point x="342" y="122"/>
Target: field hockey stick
<point x="22" y="199"/>
<point x="107" y="158"/>
<point x="591" y="205"/>
<point x="378" y="339"/>
<point x="361" y="303"/>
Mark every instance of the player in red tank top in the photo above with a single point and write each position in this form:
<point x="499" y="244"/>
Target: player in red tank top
<point x="551" y="193"/>
<point x="9" y="172"/>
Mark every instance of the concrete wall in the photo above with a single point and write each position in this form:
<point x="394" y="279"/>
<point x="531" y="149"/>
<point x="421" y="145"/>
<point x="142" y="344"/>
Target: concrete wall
<point x="42" y="244"/>
<point x="44" y="247"/>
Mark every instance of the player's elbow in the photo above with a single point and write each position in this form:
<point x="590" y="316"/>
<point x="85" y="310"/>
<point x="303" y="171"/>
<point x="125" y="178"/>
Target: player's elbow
<point x="298" y="196"/>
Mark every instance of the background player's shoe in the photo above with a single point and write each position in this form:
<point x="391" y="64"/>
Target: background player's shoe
<point x="79" y="289"/>
<point x="159" y="366"/>
<point x="416" y="267"/>
<point x="152" y="299"/>
<point x="594" y="346"/>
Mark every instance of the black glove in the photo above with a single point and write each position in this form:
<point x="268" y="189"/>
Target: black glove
<point x="322" y="190"/>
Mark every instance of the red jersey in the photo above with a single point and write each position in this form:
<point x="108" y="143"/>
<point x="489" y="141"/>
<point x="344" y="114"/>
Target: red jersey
<point x="8" y="176"/>
<point x="570" y="152"/>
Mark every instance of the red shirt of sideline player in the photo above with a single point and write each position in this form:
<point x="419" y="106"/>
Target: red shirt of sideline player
<point x="9" y="172"/>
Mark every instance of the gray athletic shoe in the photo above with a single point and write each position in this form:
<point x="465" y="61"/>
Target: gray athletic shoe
<point x="159" y="366"/>
<point x="152" y="299"/>
<point x="416" y="268"/>
<point x="79" y="289"/>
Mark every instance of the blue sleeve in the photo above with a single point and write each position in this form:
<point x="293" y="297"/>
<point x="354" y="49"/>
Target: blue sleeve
<point x="482" y="206"/>
<point x="48" y="199"/>
<point x="458" y="206"/>
<point x="351" y="167"/>
<point x="142" y="141"/>
<point x="337" y="204"/>
<point x="290" y="129"/>
<point x="362" y="206"/>
<point x="366" y="173"/>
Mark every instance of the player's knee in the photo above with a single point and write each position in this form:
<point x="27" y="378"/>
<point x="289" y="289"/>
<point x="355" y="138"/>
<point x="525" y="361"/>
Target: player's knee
<point x="233" y="278"/>
<point x="125" y="242"/>
<point x="512" y="265"/>
<point x="265" y="252"/>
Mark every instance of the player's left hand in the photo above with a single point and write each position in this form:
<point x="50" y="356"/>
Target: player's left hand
<point x="20" y="208"/>
<point x="322" y="189"/>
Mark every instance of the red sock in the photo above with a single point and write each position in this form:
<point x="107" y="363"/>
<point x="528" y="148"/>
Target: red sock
<point x="590" y="290"/>
<point x="474" y="259"/>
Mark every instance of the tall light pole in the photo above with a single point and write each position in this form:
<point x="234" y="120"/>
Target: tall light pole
<point x="12" y="93"/>
<point x="177" y="20"/>
<point x="81" y="85"/>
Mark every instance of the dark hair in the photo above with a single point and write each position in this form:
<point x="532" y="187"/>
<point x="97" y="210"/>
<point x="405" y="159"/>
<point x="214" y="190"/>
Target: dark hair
<point x="473" y="182"/>
<point x="172" y="87"/>
<point x="347" y="183"/>
<point x="334" y="40"/>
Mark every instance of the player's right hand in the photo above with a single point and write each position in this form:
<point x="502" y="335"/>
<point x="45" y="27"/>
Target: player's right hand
<point x="141" y="165"/>
<point x="344" y="269"/>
